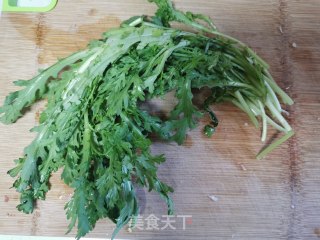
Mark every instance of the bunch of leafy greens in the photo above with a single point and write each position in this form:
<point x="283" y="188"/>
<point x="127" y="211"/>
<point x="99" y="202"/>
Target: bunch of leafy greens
<point x="95" y="129"/>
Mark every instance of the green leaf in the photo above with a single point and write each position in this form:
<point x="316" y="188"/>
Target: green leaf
<point x="26" y="202"/>
<point x="33" y="90"/>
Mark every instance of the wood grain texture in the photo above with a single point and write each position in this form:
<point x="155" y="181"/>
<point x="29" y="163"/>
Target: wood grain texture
<point x="276" y="198"/>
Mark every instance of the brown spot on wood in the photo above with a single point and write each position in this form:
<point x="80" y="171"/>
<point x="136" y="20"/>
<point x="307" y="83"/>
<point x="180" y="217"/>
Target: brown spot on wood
<point x="6" y="198"/>
<point x="37" y="116"/>
<point x="294" y="159"/>
<point x="35" y="220"/>
<point x="56" y="43"/>
<point x="92" y="12"/>
<point x="317" y="232"/>
<point x="188" y="141"/>
<point x="39" y="33"/>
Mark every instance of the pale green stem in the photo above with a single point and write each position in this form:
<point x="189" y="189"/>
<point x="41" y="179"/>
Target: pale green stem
<point x="275" y="125"/>
<point x="136" y="22"/>
<point x="264" y="122"/>
<point x="275" y="144"/>
<point x="247" y="109"/>
<point x="285" y="98"/>
<point x="269" y="120"/>
<point x="273" y="97"/>
<point x="278" y="115"/>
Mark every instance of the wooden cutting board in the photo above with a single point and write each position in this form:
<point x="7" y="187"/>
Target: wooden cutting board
<point x="276" y="198"/>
